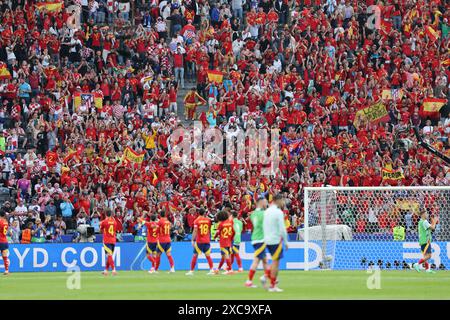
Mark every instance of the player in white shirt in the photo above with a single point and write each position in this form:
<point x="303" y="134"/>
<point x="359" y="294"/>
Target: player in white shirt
<point x="274" y="236"/>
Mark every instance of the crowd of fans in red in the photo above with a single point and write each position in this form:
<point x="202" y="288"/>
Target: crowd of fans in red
<point x="305" y="67"/>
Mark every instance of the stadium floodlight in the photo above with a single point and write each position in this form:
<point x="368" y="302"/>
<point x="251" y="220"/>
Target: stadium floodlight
<point x="348" y="228"/>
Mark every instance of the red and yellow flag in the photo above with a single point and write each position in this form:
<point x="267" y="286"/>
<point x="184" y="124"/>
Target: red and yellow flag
<point x="132" y="156"/>
<point x="215" y="76"/>
<point x="4" y="72"/>
<point x="391" y="174"/>
<point x="50" y="6"/>
<point x="374" y="114"/>
<point x="70" y="154"/>
<point x="431" y="107"/>
<point x="433" y="104"/>
<point x="432" y="34"/>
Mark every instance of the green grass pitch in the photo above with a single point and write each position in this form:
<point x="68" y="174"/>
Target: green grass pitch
<point x="296" y="285"/>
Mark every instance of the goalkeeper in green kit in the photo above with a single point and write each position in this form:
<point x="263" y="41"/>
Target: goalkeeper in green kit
<point x="257" y="218"/>
<point x="237" y="227"/>
<point x="425" y="229"/>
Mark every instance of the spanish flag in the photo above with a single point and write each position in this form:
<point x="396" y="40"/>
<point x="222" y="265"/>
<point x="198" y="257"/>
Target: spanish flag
<point x="431" y="107"/>
<point x="387" y="173"/>
<point x="4" y="72"/>
<point x="70" y="155"/>
<point x="50" y="6"/>
<point x="432" y="34"/>
<point x="132" y="156"/>
<point x="215" y="76"/>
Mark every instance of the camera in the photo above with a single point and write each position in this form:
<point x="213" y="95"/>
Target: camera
<point x="85" y="233"/>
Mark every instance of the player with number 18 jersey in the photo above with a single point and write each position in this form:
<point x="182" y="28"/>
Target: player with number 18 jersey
<point x="201" y="241"/>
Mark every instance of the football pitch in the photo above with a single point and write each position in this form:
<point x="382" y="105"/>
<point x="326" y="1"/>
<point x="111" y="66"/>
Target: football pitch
<point x="405" y="284"/>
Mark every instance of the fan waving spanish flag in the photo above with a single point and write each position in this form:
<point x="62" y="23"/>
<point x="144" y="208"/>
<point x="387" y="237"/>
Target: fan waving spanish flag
<point x="50" y="6"/>
<point x="4" y="72"/>
<point x="431" y="107"/>
<point x="215" y="76"/>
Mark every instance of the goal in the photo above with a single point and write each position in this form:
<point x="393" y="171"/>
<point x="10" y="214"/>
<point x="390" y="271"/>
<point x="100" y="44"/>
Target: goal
<point x="350" y="228"/>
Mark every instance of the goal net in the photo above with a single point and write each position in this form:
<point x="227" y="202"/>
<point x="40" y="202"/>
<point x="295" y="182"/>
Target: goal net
<point x="350" y="228"/>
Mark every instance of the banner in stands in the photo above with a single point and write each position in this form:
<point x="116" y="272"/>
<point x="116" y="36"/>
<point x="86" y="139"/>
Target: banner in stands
<point x="394" y="174"/>
<point x="132" y="256"/>
<point x="133" y="156"/>
<point x="87" y="99"/>
<point x="373" y="114"/>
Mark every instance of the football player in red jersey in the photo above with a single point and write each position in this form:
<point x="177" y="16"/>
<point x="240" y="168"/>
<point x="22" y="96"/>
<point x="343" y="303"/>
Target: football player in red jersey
<point x="152" y="241"/>
<point x="164" y="243"/>
<point x="201" y="241"/>
<point x="109" y="228"/>
<point x="226" y="233"/>
<point x="227" y="209"/>
<point x="4" y="241"/>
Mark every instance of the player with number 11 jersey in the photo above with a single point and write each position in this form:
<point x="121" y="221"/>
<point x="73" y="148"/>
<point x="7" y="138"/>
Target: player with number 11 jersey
<point x="164" y="243"/>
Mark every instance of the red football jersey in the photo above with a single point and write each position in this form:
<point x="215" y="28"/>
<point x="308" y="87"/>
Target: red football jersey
<point x="109" y="227"/>
<point x="3" y="231"/>
<point x="226" y="233"/>
<point x="164" y="230"/>
<point x="203" y="226"/>
<point x="152" y="231"/>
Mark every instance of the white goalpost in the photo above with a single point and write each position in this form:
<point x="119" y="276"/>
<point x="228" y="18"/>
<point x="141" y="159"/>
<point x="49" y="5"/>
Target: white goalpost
<point x="351" y="228"/>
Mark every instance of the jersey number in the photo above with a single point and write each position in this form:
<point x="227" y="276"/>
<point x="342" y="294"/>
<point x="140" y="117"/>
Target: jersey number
<point x="226" y="232"/>
<point x="204" y="229"/>
<point x="167" y="229"/>
<point x="111" y="230"/>
<point x="5" y="230"/>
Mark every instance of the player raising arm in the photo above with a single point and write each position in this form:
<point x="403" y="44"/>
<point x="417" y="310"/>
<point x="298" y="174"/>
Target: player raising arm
<point x="108" y="228"/>
<point x="201" y="241"/>
<point x="237" y="226"/>
<point x="257" y="219"/>
<point x="274" y="235"/>
<point x="152" y="240"/>
<point x="425" y="240"/>
<point x="225" y="233"/>
<point x="165" y="243"/>
<point x="4" y="240"/>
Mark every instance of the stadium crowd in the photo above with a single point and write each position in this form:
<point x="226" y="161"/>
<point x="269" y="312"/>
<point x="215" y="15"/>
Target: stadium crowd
<point x="82" y="83"/>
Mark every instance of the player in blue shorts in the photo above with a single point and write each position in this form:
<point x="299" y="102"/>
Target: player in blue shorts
<point x="274" y="236"/>
<point x="257" y="218"/>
